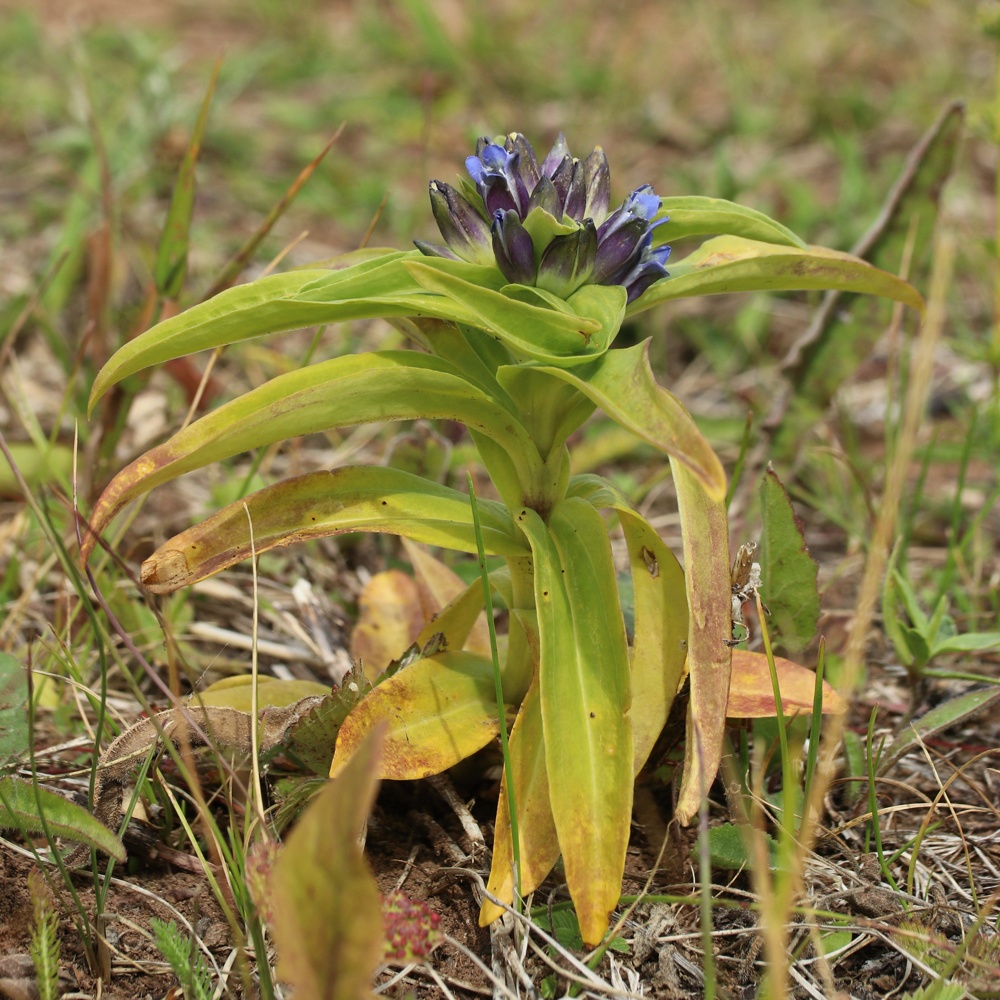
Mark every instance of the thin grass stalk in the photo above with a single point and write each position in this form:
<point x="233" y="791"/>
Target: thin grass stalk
<point x="887" y="519"/>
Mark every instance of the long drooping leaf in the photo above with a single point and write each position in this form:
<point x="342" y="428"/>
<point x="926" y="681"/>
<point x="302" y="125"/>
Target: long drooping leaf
<point x="538" y="842"/>
<point x="584" y="688"/>
<point x="19" y="810"/>
<point x="735" y="264"/>
<point x="355" y="498"/>
<point x="438" y="711"/>
<point x="705" y="534"/>
<point x="694" y="215"/>
<point x="623" y="385"/>
<point x="389" y="385"/>
<point x="326" y="913"/>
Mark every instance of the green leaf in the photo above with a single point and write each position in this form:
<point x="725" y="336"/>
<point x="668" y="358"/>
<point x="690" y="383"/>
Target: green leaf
<point x="948" y="713"/>
<point x="386" y="385"/>
<point x="354" y="498"/>
<point x="968" y="642"/>
<point x="14" y="735"/>
<point x="19" y="810"/>
<point x="727" y="846"/>
<point x="584" y="686"/>
<point x="734" y="264"/>
<point x="788" y="573"/>
<point x="327" y="917"/>
<point x="692" y="215"/>
<point x="659" y="650"/>
<point x="554" y="335"/>
<point x="372" y="286"/>
<point x="623" y="385"/>
<point x="538" y="841"/>
<point x="438" y="711"/>
<point x="237" y="692"/>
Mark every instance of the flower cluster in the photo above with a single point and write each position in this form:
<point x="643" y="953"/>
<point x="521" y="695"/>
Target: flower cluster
<point x="547" y="224"/>
<point x="412" y="929"/>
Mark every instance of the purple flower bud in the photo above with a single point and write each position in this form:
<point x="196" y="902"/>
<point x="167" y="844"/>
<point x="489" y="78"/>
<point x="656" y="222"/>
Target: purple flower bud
<point x="527" y="161"/>
<point x="597" y="182"/>
<point x="650" y="268"/>
<point x="604" y="249"/>
<point x="617" y="249"/>
<point x="568" y="261"/>
<point x="555" y="156"/>
<point x="513" y="249"/>
<point x="463" y="227"/>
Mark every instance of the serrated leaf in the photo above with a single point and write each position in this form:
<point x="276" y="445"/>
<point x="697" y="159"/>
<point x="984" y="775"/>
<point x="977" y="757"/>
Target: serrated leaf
<point x="13" y="716"/>
<point x="788" y="573"/>
<point x="19" y="810"/>
<point x="327" y="917"/>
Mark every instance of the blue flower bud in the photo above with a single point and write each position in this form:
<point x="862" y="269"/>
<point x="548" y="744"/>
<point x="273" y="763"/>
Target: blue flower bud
<point x="463" y="227"/>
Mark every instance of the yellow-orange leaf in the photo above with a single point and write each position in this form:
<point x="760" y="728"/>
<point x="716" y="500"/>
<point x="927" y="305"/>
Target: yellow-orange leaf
<point x="751" y="695"/>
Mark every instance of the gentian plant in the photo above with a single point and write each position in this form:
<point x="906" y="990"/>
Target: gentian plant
<point x="512" y="318"/>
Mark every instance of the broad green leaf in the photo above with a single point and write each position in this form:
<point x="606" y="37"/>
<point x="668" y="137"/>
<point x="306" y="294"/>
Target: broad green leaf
<point x="622" y="384"/>
<point x="237" y="692"/>
<point x="19" y="810"/>
<point x="734" y="264"/>
<point x="387" y="385"/>
<point x="318" y="504"/>
<point x="538" y="842"/>
<point x="171" y="255"/>
<point x="551" y="408"/>
<point x="557" y="336"/>
<point x="751" y="695"/>
<point x="438" y="711"/>
<point x="659" y="652"/>
<point x="705" y="536"/>
<point x="584" y="688"/>
<point x="13" y="708"/>
<point x="788" y="572"/>
<point x="326" y="911"/>
<point x="374" y="286"/>
<point x="727" y="846"/>
<point x="693" y="215"/>
<point x="948" y="713"/>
